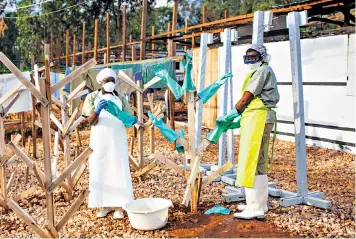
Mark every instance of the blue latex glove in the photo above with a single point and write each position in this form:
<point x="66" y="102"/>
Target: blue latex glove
<point x="102" y="104"/>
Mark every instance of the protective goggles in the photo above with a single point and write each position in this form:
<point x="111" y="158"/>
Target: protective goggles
<point x="250" y="59"/>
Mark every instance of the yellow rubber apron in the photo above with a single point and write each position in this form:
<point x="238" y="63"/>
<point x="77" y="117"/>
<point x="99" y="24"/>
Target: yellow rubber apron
<point x="253" y="123"/>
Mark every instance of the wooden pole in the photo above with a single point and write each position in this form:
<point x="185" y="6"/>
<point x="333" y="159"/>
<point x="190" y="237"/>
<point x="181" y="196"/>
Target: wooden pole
<point x="107" y="38"/>
<point x="203" y="19"/>
<point x="67" y="48"/>
<point x="58" y="52"/>
<point x="139" y="94"/>
<point x="172" y="52"/>
<point x="2" y="155"/>
<point x="186" y="25"/>
<point x="143" y="30"/>
<point x="51" y="48"/>
<point x="153" y="45"/>
<point x="74" y="49"/>
<point x="123" y="32"/>
<point x="226" y="13"/>
<point x="83" y="44"/>
<point x="96" y="23"/>
<point x="38" y="51"/>
<point x="22" y="116"/>
<point x="45" y="113"/>
<point x="133" y="50"/>
<point x="66" y="142"/>
<point x="34" y="132"/>
<point x="174" y="24"/>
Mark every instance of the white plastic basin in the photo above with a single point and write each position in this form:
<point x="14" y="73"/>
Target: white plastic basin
<point x="148" y="213"/>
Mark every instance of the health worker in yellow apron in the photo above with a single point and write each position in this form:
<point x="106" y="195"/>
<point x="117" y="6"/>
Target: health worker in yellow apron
<point x="259" y="96"/>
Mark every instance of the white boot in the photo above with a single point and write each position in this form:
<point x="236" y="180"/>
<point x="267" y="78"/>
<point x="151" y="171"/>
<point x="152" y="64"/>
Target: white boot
<point x="118" y="214"/>
<point x="256" y="199"/>
<point x="103" y="213"/>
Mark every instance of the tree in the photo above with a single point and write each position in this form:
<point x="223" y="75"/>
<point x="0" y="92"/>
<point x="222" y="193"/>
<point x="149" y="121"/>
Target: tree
<point x="31" y="29"/>
<point x="7" y="45"/>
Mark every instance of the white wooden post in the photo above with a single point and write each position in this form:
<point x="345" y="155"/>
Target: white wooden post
<point x="200" y="85"/>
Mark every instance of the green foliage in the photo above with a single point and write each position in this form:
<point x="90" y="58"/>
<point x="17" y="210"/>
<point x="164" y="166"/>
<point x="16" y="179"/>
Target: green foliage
<point x="7" y="43"/>
<point x="40" y="28"/>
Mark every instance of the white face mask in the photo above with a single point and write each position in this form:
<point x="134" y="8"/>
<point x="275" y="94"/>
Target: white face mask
<point x="254" y="66"/>
<point x="109" y="87"/>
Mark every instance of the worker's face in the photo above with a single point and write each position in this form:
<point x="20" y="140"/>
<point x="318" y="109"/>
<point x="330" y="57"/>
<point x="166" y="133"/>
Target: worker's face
<point x="252" y="57"/>
<point x="107" y="80"/>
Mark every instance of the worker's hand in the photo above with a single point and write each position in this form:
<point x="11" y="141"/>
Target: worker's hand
<point x="102" y="104"/>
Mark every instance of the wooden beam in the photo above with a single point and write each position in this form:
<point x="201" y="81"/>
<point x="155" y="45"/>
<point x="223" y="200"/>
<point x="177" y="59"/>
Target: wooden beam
<point x="45" y="112"/>
<point x="143" y="30"/>
<point x="74" y="49"/>
<point x="70" y="121"/>
<point x="10" y="104"/>
<point x="227" y="166"/>
<point x="56" y="122"/>
<point x="33" y="119"/>
<point x="27" y="219"/>
<point x="133" y="50"/>
<point x="25" y="193"/>
<point x="84" y="155"/>
<point x="83" y="44"/>
<point x="169" y="163"/>
<point x="76" y="91"/>
<point x="146" y="169"/>
<point x="75" y="124"/>
<point x="174" y="24"/>
<point x="20" y="154"/>
<point x="51" y="48"/>
<point x="58" y="51"/>
<point x="226" y="13"/>
<point x="151" y="83"/>
<point x="73" y="208"/>
<point x="3" y="202"/>
<point x="129" y="81"/>
<point x="52" y="231"/>
<point x="124" y="32"/>
<point x="186" y="25"/>
<point x="11" y="179"/>
<point x="107" y="38"/>
<point x="191" y="182"/>
<point x="10" y="93"/>
<point x="96" y="25"/>
<point x="23" y="79"/>
<point x="67" y="48"/>
<point x="153" y="45"/>
<point x="133" y="163"/>
<point x="59" y="103"/>
<point x="74" y="75"/>
<point x="78" y="174"/>
<point x="202" y="146"/>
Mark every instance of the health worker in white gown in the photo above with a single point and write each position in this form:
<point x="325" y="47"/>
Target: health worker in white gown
<point x="109" y="172"/>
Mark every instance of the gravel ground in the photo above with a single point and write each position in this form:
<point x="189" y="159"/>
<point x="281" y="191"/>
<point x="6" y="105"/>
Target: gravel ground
<point x="329" y="171"/>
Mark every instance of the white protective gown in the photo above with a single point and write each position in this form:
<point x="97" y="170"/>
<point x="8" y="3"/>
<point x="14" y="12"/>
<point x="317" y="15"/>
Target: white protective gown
<point x="109" y="172"/>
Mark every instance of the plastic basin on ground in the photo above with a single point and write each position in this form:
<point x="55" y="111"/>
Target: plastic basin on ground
<point x="148" y="213"/>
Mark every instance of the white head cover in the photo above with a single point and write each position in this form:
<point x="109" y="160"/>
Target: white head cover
<point x="104" y="74"/>
<point x="260" y="48"/>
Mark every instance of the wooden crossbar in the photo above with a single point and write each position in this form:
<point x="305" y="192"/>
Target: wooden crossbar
<point x="10" y="104"/>
<point x="76" y="73"/>
<point x="76" y="91"/>
<point x="23" y="79"/>
<point x="227" y="166"/>
<point x="27" y="219"/>
<point x="128" y="80"/>
<point x="84" y="155"/>
<point x="72" y="210"/>
<point x="70" y="121"/>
